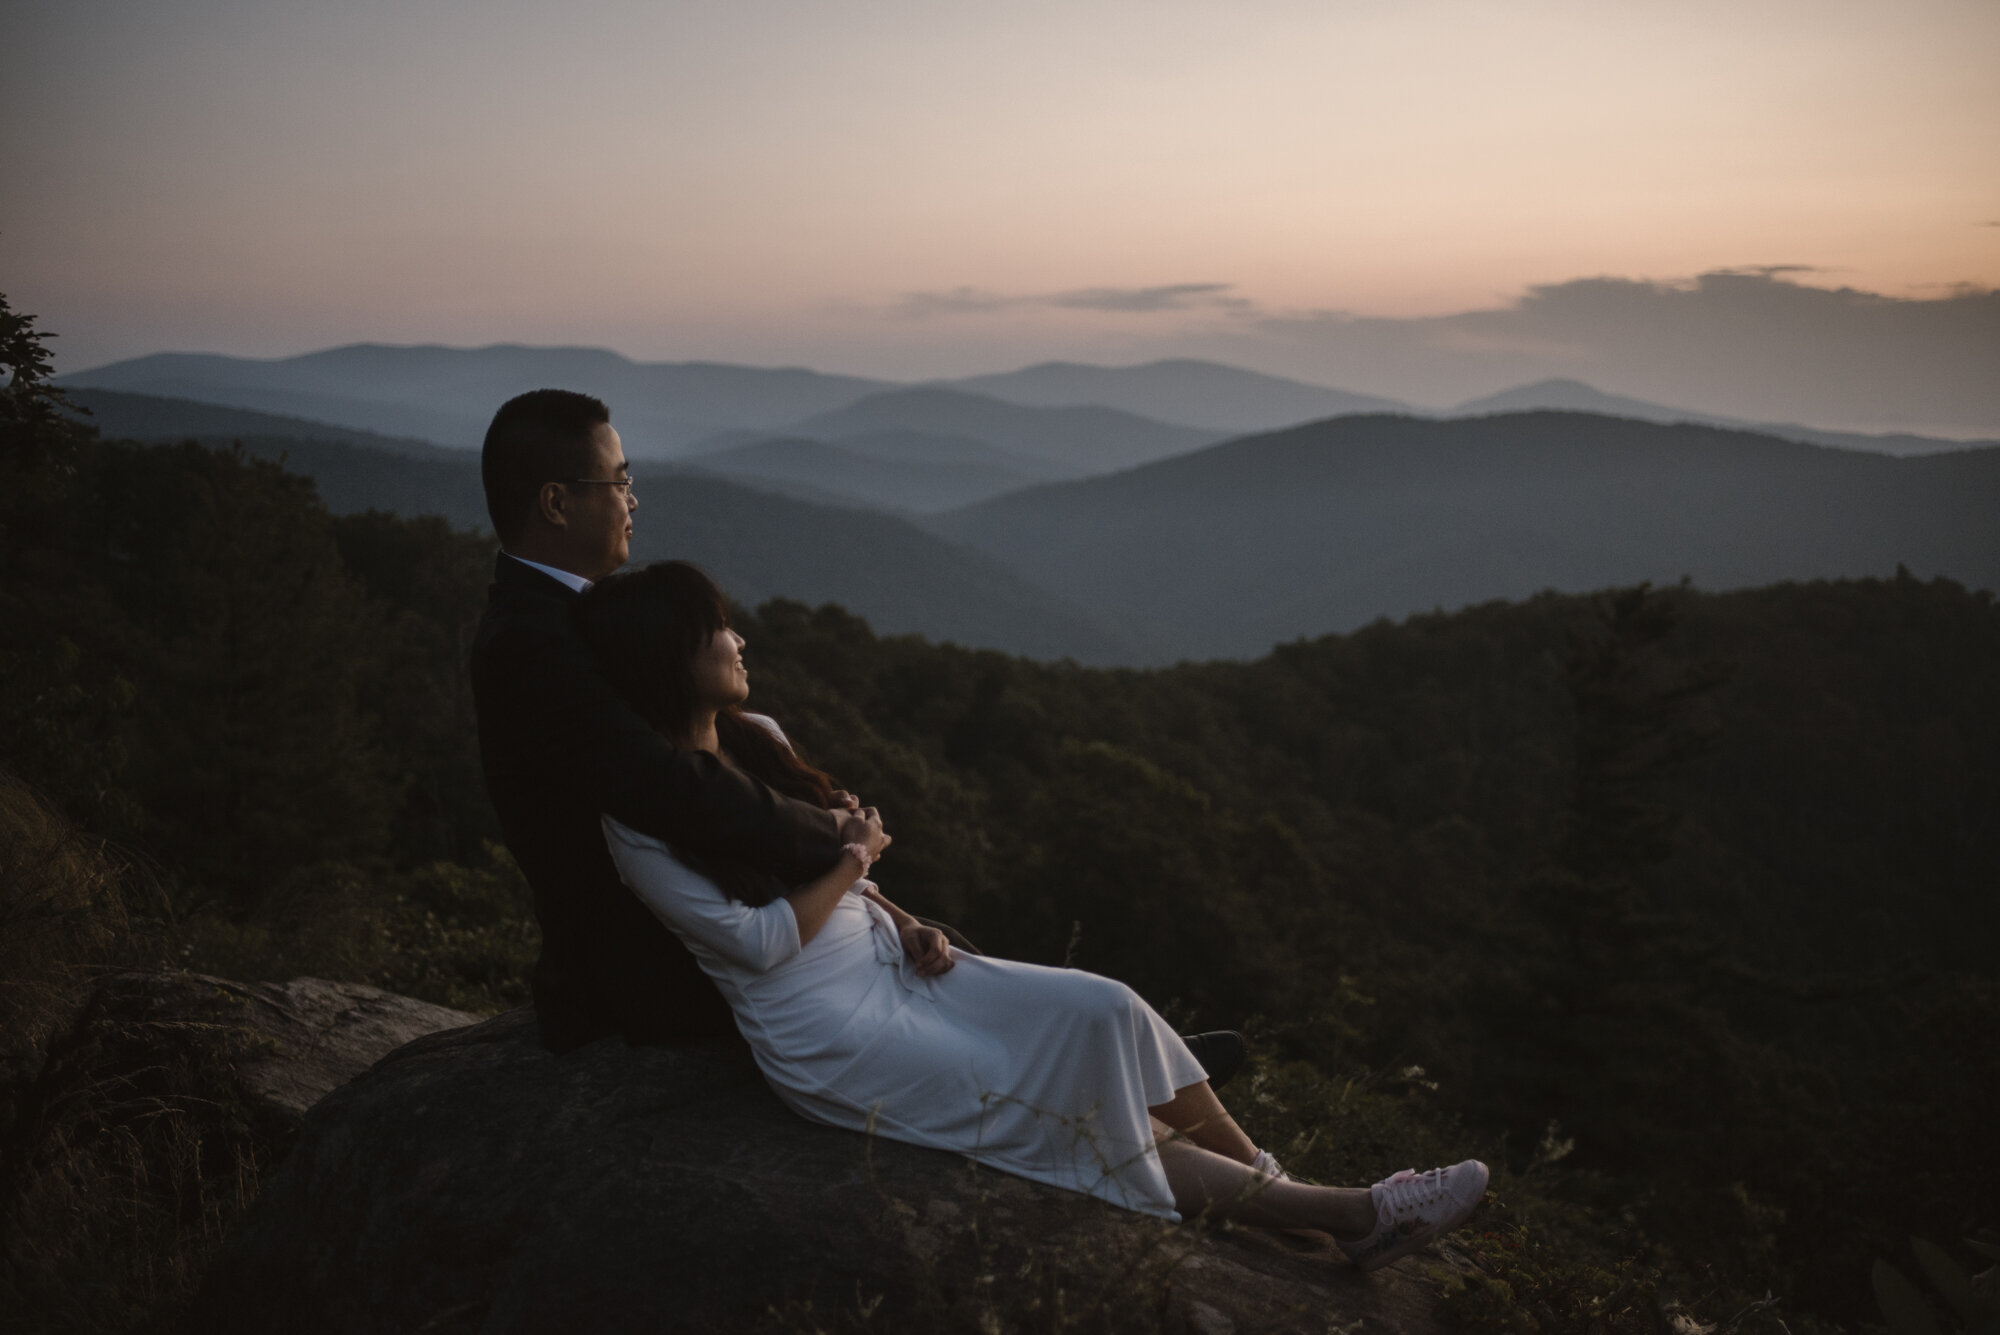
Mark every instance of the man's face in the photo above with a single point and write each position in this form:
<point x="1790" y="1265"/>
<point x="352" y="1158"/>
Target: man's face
<point x="598" y="518"/>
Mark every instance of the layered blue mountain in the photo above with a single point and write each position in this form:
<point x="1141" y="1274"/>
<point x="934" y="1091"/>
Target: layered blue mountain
<point x="924" y="447"/>
<point x="447" y="395"/>
<point x="901" y="578"/>
<point x="849" y="472"/>
<point x="1073" y="419"/>
<point x="1080" y="439"/>
<point x="1326" y="527"/>
<point x="147" y="417"/>
<point x="1224" y="399"/>
<point x="662" y="409"/>
<point x="757" y="545"/>
<point x="1575" y="396"/>
<point x="1224" y="551"/>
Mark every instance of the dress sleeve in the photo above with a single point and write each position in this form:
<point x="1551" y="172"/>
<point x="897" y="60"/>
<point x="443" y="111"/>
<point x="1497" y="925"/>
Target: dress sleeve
<point x="770" y="725"/>
<point x="707" y="921"/>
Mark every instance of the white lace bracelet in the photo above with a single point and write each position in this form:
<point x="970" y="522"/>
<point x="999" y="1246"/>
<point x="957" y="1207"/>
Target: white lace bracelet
<point x="863" y="856"/>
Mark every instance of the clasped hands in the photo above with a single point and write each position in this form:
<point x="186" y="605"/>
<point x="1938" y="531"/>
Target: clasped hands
<point x="927" y="948"/>
<point x="860" y="825"/>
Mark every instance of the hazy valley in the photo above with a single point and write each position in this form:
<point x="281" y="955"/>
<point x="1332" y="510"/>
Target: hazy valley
<point x="1100" y="534"/>
<point x="1329" y="526"/>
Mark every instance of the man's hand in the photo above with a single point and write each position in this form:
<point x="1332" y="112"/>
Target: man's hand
<point x="929" y="952"/>
<point x="864" y="827"/>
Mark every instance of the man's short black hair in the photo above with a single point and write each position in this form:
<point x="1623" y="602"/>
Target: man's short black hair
<point x="538" y="437"/>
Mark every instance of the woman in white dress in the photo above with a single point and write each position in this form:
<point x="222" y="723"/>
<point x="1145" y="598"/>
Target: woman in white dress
<point x="862" y="1017"/>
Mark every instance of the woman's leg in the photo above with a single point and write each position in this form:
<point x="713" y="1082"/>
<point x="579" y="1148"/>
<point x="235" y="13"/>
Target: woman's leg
<point x="1197" y="1114"/>
<point x="1205" y="1182"/>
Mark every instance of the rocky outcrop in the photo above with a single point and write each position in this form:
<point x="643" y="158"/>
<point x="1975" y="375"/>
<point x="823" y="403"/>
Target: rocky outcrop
<point x="314" y="1036"/>
<point x="277" y="1048"/>
<point x="148" y="1121"/>
<point x="473" y="1182"/>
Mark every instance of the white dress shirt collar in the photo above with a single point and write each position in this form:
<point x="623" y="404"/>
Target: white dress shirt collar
<point x="574" y="581"/>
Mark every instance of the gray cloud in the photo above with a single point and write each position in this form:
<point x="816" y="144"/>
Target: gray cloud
<point x="1739" y="342"/>
<point x="1173" y="297"/>
<point x="1749" y="342"/>
<point x="957" y="301"/>
<point x="1117" y="300"/>
<point x="1770" y="270"/>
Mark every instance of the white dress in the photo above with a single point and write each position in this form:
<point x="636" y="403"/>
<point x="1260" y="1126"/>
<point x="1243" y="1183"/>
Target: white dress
<point x="1045" y="1073"/>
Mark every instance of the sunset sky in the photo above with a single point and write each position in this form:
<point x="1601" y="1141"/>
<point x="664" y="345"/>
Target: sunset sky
<point x="911" y="188"/>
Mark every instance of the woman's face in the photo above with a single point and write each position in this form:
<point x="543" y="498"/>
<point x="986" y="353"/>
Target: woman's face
<point x="719" y="675"/>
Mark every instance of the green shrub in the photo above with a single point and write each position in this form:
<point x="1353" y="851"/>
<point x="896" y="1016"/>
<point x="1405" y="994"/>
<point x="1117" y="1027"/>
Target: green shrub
<point x="459" y="936"/>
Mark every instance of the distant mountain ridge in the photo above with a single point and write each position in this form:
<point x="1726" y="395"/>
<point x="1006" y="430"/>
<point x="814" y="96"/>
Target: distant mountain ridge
<point x="758" y="545"/>
<point x="1082" y="439"/>
<point x="220" y="381"/>
<point x="1325" y="527"/>
<point x="1225" y="550"/>
<point x="448" y="394"/>
<point x="1576" y="396"/>
<point x="894" y="446"/>
<point x="667" y="409"/>
<point x="121" y="416"/>
<point x="844" y="472"/>
<point x="1208" y="395"/>
<point x="452" y="391"/>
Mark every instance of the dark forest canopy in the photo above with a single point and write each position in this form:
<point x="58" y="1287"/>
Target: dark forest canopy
<point x="1705" y="881"/>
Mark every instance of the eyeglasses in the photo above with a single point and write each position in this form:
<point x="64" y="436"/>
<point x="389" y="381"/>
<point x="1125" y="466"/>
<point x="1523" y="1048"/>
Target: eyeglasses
<point x="623" y="484"/>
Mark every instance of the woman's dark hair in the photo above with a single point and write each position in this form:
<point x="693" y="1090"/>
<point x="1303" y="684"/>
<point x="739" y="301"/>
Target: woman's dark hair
<point x="645" y="626"/>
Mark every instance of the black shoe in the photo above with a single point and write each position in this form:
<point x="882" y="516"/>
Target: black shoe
<point x="1221" y="1053"/>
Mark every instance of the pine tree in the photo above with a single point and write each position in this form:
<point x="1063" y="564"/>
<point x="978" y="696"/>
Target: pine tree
<point x="38" y="441"/>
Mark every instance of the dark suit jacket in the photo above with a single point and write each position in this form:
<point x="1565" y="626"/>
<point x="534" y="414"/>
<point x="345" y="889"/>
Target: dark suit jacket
<point x="559" y="747"/>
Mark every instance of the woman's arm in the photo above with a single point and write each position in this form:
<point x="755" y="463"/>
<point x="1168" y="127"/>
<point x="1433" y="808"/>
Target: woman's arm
<point x="813" y="903"/>
<point x="708" y="922"/>
<point x="927" y="948"/>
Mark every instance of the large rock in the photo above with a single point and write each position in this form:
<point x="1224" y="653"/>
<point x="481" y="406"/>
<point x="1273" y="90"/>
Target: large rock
<point x="149" y="1121"/>
<point x="472" y="1182"/>
<point x="314" y="1036"/>
<point x="271" y="1050"/>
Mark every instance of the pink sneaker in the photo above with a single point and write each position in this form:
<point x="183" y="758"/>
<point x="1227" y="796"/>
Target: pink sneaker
<point x="1412" y="1208"/>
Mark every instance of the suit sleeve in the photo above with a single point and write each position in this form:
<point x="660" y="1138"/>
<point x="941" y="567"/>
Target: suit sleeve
<point x="562" y="718"/>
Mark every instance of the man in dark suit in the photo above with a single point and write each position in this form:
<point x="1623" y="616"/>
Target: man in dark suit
<point x="559" y="747"/>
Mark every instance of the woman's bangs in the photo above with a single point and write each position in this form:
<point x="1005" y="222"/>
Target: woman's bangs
<point x="700" y="603"/>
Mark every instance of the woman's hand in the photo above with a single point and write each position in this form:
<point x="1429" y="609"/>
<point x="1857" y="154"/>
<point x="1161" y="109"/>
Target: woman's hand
<point x="929" y="952"/>
<point x="864" y="827"/>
